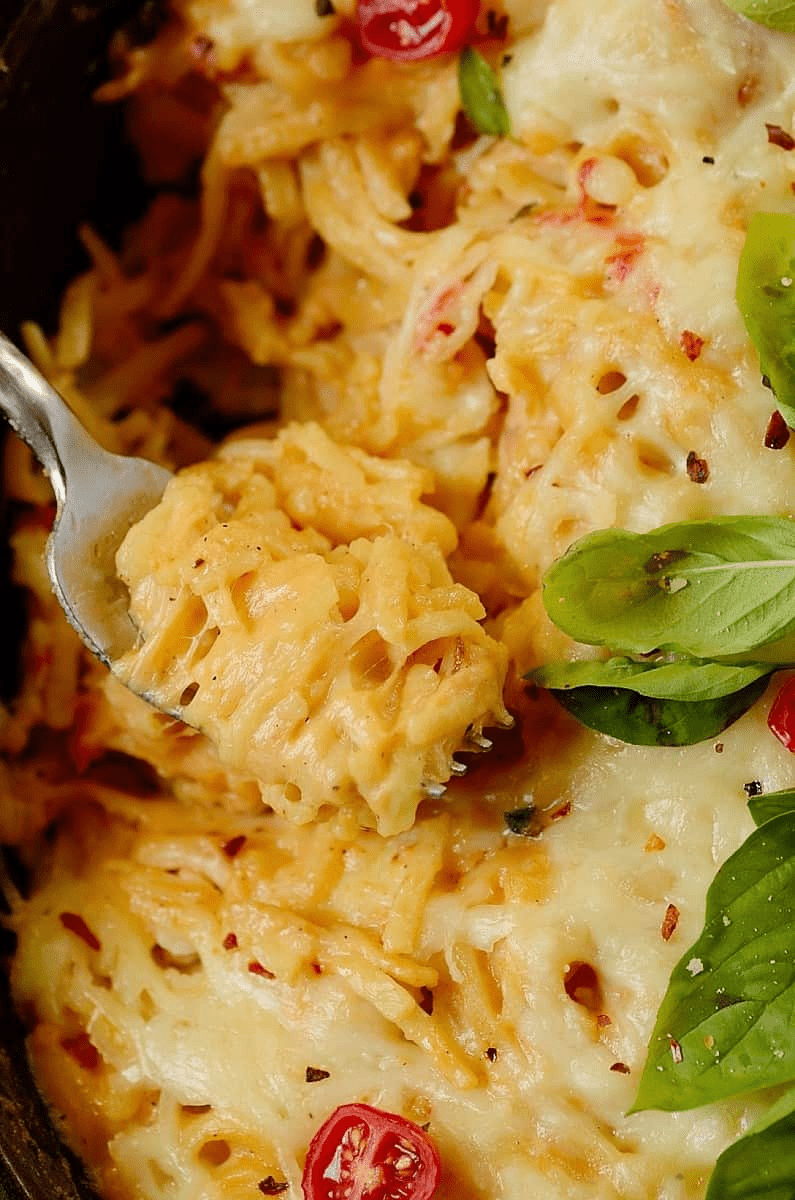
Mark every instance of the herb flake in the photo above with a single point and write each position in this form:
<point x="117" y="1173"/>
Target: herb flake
<point x="481" y="97"/>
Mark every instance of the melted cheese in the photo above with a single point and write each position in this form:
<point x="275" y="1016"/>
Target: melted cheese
<point x="533" y="352"/>
<point x="293" y="603"/>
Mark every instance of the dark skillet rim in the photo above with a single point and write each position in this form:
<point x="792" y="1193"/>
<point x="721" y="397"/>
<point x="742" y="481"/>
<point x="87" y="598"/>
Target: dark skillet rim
<point x="63" y="160"/>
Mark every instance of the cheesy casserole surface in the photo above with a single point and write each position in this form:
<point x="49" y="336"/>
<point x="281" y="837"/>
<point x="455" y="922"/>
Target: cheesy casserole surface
<point x="399" y="366"/>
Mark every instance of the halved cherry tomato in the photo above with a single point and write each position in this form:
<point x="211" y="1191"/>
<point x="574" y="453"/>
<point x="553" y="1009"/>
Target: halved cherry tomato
<point x="781" y="718"/>
<point x="362" y="1153"/>
<point x="405" y="30"/>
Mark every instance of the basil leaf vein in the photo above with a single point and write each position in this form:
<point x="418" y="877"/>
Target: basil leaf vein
<point x="776" y="14"/>
<point x="481" y="98"/>
<point x="773" y="804"/>
<point x="725" y="1023"/>
<point x="712" y="589"/>
<point x="670" y="678"/>
<point x="766" y="299"/>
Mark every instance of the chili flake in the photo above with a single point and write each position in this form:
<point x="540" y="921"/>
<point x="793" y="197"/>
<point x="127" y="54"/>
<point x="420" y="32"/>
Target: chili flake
<point x="670" y="922"/>
<point x="777" y="432"/>
<point x="691" y="344"/>
<point x="697" y="468"/>
<point x="272" y="1187"/>
<point x="779" y="137"/>
<point x="233" y="847"/>
<point x="256" y="968"/>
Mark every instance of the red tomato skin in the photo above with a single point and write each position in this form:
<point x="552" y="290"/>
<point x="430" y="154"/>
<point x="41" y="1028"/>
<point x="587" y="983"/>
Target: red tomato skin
<point x="781" y="718"/>
<point x="384" y="1131"/>
<point x="409" y="30"/>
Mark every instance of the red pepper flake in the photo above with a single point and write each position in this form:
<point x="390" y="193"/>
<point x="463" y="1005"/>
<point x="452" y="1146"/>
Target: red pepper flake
<point x="233" y="847"/>
<point x="587" y="209"/>
<point x="670" y="922"/>
<point x="426" y="1000"/>
<point x="619" y="265"/>
<point x="230" y="941"/>
<point x="777" y="432"/>
<point x="691" y="344"/>
<point x="602" y="1020"/>
<point x="315" y="1074"/>
<point x="256" y="968"/>
<point x="676" y="1051"/>
<point x="76" y="925"/>
<point x="82" y="1050"/>
<point x="491" y="1053"/>
<point x="779" y="137"/>
<point x="620" y="1067"/>
<point x="563" y="811"/>
<point x="272" y="1187"/>
<point x="431" y="320"/>
<point x="697" y="468"/>
<point x="316" y="967"/>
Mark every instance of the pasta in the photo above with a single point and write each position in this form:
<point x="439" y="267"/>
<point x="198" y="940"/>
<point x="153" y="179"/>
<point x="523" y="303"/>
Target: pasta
<point x="399" y="366"/>
<point x="327" y="651"/>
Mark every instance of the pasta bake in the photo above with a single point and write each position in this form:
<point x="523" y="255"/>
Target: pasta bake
<point x="432" y="300"/>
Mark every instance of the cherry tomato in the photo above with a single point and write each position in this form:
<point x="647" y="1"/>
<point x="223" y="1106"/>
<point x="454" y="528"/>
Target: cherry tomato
<point x="781" y="718"/>
<point x="362" y="1153"/>
<point x="405" y="30"/>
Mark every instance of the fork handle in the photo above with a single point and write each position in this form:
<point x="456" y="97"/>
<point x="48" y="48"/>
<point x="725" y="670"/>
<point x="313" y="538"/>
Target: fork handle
<point x="41" y="418"/>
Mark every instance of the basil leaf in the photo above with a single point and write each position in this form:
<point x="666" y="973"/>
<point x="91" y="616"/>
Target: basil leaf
<point x="761" y="1165"/>
<point x="481" y="98"/>
<point x="648" y="721"/>
<point x="725" y="1024"/>
<point x="767" y="301"/>
<point x="776" y="14"/>
<point x="706" y="588"/>
<point x="783" y="1107"/>
<point x="671" y="678"/>
<point x="774" y="804"/>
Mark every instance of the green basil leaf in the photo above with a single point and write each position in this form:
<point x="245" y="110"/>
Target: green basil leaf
<point x="766" y="299"/>
<point x="648" y="721"/>
<point x="776" y="14"/>
<point x="774" y="804"/>
<point x="481" y="98"/>
<point x="783" y="1107"/>
<point x="761" y="1165"/>
<point x="725" y="1024"/>
<point x="706" y="588"/>
<point x="670" y="678"/>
